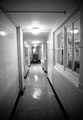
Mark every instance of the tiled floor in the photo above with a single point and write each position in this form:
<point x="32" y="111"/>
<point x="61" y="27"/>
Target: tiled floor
<point x="38" y="101"/>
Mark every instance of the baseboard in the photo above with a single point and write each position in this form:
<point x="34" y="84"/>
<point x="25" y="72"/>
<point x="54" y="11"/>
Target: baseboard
<point x="58" y="100"/>
<point x="26" y="74"/>
<point x="16" y="103"/>
<point x="44" y="70"/>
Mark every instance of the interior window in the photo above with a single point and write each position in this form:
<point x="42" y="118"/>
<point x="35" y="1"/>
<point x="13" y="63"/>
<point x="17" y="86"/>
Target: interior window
<point x="69" y="47"/>
<point x="76" y="46"/>
<point x="60" y="47"/>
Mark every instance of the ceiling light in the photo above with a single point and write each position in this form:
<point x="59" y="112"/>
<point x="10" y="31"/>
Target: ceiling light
<point x="35" y="30"/>
<point x="35" y="42"/>
<point x="2" y="33"/>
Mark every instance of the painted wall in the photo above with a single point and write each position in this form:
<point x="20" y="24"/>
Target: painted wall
<point x="26" y="62"/>
<point x="50" y="56"/>
<point x="26" y="59"/>
<point x="9" y="86"/>
<point x="71" y="96"/>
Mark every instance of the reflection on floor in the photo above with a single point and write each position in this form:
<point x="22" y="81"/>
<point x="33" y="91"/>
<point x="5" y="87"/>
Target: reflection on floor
<point x="38" y="101"/>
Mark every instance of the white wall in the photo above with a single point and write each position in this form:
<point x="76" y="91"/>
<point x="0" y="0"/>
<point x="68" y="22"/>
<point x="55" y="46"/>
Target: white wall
<point x="70" y="95"/>
<point x="9" y="85"/>
<point x="50" y="56"/>
<point x="26" y="59"/>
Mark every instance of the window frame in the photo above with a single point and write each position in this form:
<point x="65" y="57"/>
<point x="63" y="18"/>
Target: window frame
<point x="64" y="66"/>
<point x="73" y="48"/>
<point x="61" y="30"/>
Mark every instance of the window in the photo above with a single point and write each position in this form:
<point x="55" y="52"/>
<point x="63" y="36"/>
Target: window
<point x="68" y="48"/>
<point x="76" y="46"/>
<point x="60" y="47"/>
<point x="73" y="48"/>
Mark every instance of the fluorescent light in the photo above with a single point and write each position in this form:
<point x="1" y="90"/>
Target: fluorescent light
<point x="35" y="30"/>
<point x="2" y="33"/>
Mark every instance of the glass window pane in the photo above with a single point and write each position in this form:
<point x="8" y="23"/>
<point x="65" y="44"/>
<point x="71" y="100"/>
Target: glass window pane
<point x="76" y="45"/>
<point x="77" y="33"/>
<point x="69" y="37"/>
<point x="76" y="59"/>
<point x="69" y="58"/>
<point x="69" y="47"/>
<point x="60" y="47"/>
<point x="60" y="56"/>
<point x="60" y="41"/>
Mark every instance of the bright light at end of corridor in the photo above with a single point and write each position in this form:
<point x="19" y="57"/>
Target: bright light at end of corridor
<point x="35" y="45"/>
<point x="35" y="42"/>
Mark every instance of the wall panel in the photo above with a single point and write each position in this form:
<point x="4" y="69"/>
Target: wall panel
<point x="9" y="85"/>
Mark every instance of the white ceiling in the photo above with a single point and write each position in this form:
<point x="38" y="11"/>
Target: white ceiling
<point x="44" y="20"/>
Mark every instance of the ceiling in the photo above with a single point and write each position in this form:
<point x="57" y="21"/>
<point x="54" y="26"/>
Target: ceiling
<point x="32" y="13"/>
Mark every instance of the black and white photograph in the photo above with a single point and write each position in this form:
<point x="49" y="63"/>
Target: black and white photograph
<point x="41" y="60"/>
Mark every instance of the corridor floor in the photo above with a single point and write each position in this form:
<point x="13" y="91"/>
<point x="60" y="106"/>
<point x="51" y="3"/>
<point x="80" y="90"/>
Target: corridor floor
<point x="38" y="101"/>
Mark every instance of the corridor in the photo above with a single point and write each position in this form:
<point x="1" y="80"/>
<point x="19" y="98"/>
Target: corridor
<point x="38" y="101"/>
<point x="49" y="32"/>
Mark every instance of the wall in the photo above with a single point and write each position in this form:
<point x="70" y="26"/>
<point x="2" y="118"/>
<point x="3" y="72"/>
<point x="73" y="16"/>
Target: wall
<point x="9" y="86"/>
<point x="70" y="96"/>
<point x="50" y="56"/>
<point x="26" y="60"/>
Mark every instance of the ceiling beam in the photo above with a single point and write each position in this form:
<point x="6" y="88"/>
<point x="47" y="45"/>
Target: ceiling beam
<point x="8" y="15"/>
<point x="36" y="11"/>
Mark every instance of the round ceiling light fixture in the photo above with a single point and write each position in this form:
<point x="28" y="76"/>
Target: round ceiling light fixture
<point x="2" y="33"/>
<point x="35" y="30"/>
